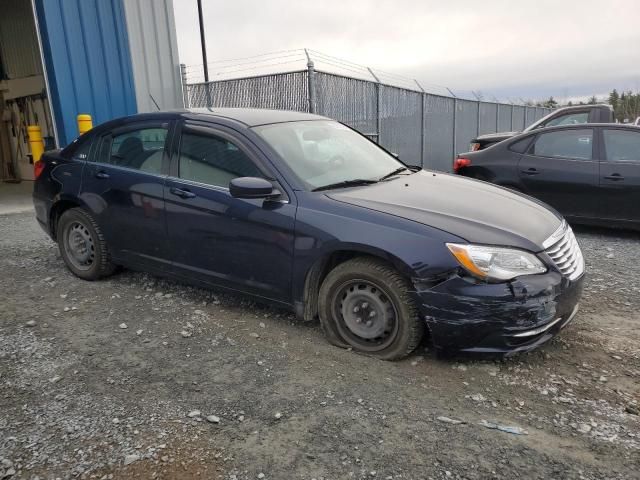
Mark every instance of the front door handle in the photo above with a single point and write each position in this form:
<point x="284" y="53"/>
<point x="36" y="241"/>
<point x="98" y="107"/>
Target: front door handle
<point x="102" y="174"/>
<point x="614" y="177"/>
<point x="531" y="171"/>
<point x="182" y="193"/>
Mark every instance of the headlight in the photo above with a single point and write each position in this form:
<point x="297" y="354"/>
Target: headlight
<point x="496" y="263"/>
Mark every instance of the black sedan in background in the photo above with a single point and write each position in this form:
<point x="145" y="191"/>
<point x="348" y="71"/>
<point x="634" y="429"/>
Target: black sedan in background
<point x="590" y="173"/>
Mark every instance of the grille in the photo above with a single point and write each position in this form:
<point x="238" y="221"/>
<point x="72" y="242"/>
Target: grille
<point x="563" y="249"/>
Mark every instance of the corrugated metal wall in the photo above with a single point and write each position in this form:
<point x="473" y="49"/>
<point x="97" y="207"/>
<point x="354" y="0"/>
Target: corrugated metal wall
<point x="18" y="42"/>
<point x="154" y="54"/>
<point x="85" y="47"/>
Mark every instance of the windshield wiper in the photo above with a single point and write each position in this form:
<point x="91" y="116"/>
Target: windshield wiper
<point x="395" y="172"/>
<point x="346" y="183"/>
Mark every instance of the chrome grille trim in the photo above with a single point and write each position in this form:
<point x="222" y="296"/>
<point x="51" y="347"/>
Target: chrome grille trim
<point x="564" y="251"/>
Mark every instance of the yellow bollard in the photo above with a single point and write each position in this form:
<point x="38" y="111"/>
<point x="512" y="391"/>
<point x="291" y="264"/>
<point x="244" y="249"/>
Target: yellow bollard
<point x="35" y="142"/>
<point x="84" y="123"/>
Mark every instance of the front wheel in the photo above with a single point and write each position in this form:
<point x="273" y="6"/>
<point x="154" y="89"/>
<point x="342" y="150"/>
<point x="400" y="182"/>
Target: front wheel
<point x="365" y="304"/>
<point x="82" y="245"/>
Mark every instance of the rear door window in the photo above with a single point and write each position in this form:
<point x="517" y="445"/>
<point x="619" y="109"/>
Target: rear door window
<point x="621" y="146"/>
<point x="575" y="144"/>
<point x="139" y="149"/>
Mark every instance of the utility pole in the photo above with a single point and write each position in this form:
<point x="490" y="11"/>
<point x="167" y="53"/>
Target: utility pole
<point x="203" y="43"/>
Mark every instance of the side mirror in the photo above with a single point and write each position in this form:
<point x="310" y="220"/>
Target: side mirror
<point x="252" y="187"/>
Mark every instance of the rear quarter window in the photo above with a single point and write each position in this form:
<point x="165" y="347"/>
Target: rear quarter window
<point x="79" y="149"/>
<point x="521" y="145"/>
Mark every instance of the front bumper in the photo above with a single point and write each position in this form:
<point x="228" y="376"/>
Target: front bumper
<point x="503" y="318"/>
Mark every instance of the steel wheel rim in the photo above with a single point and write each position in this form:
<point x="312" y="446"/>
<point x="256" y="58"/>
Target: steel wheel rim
<point x="79" y="246"/>
<point x="371" y="327"/>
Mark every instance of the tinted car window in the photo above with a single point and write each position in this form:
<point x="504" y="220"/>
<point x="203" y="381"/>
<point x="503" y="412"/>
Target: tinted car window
<point x="141" y="149"/>
<point x="622" y="146"/>
<point x="565" y="144"/>
<point x="569" y="119"/>
<point x="79" y="148"/>
<point x="213" y="160"/>
<point x="521" y="146"/>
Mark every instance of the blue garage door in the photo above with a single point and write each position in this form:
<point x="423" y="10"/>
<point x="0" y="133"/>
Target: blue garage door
<point x="88" y="63"/>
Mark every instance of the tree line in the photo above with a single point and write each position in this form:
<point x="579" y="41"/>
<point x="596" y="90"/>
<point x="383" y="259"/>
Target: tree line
<point x="626" y="105"/>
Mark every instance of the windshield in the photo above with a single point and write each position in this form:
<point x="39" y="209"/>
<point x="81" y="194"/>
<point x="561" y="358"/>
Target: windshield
<point x="323" y="153"/>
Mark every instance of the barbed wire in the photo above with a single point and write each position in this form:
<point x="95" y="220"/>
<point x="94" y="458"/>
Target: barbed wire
<point x="270" y="54"/>
<point x="336" y="65"/>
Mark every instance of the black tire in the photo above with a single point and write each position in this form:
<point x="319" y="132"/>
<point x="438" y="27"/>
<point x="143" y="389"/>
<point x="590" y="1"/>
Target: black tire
<point x="387" y="294"/>
<point x="89" y="257"/>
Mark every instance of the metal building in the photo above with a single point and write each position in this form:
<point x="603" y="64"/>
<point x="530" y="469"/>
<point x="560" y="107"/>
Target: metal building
<point x="60" y="58"/>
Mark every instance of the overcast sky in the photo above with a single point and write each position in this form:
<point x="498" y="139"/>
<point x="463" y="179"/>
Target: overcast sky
<point x="503" y="48"/>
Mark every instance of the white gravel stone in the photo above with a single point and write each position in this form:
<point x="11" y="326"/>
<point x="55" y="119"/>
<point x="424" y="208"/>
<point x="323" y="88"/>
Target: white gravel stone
<point x="31" y="323"/>
<point x="452" y="421"/>
<point x="213" y="419"/>
<point x="584" y="428"/>
<point x="129" y="459"/>
<point x="194" y="413"/>
<point x="123" y="325"/>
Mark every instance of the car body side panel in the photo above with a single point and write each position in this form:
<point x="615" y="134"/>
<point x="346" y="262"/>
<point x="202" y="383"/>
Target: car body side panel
<point x="619" y="184"/>
<point x="60" y="181"/>
<point x="570" y="185"/>
<point x="325" y="226"/>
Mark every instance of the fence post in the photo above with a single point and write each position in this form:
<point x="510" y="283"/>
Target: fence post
<point x="311" y="83"/>
<point x="185" y="92"/>
<point x="378" y="117"/>
<point x="512" y="109"/>
<point x="497" y="116"/>
<point x="422" y="100"/>
<point x="455" y="110"/>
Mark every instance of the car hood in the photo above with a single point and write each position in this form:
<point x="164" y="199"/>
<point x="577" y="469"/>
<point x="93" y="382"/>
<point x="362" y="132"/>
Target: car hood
<point x="473" y="210"/>
<point x="496" y="137"/>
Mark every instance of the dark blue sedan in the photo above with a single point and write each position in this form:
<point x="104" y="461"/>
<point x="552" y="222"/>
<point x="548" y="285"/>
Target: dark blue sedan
<point x="306" y="213"/>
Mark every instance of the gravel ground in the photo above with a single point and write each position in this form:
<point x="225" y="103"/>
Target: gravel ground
<point x="138" y="377"/>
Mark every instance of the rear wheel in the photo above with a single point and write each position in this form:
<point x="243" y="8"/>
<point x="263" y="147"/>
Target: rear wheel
<point x="82" y="245"/>
<point x="365" y="304"/>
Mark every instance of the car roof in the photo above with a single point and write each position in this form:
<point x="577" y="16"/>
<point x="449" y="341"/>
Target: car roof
<point x="580" y="126"/>
<point x="253" y="117"/>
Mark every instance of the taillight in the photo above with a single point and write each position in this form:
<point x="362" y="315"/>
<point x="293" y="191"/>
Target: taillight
<point x="38" y="167"/>
<point x="459" y="163"/>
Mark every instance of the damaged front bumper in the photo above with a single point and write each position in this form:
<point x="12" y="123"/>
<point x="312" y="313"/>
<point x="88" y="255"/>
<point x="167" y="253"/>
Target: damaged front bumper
<point x="502" y="318"/>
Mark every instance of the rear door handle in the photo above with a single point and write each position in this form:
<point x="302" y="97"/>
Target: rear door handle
<point x="614" y="177"/>
<point x="102" y="174"/>
<point x="531" y="171"/>
<point x="182" y="193"/>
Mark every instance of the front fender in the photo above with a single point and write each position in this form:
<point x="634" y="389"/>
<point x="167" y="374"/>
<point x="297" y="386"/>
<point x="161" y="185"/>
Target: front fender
<point x="324" y="227"/>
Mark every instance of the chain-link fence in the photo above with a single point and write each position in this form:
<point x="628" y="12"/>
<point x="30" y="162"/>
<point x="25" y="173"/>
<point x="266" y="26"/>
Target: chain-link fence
<point x="422" y="128"/>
